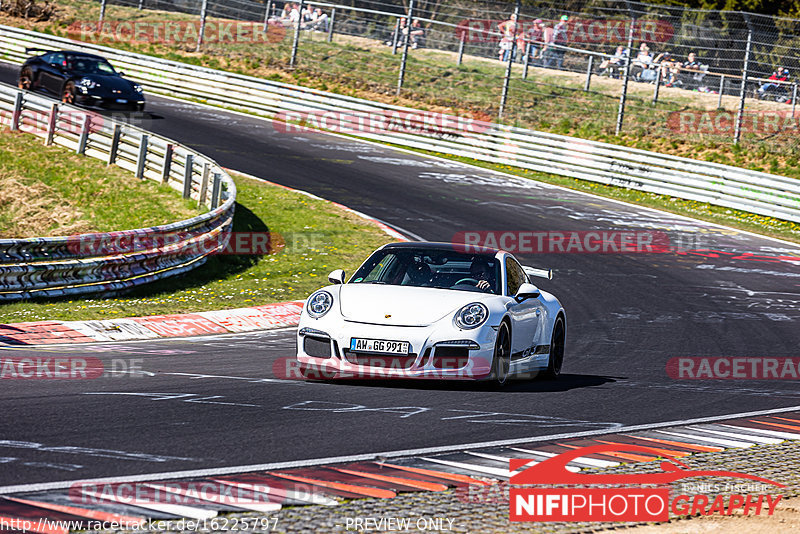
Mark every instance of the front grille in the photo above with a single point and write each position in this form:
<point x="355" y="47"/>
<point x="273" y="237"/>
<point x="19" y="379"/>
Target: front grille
<point x="383" y="361"/>
<point x="317" y="347"/>
<point x="450" y="357"/>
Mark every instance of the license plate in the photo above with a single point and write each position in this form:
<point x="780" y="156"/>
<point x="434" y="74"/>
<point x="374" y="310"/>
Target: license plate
<point x="121" y="101"/>
<point x="379" y="345"/>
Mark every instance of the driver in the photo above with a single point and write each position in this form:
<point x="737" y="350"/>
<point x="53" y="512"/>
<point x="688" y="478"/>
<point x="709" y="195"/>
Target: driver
<point x="419" y="273"/>
<point x="480" y="271"/>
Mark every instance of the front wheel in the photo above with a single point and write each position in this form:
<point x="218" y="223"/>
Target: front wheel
<point x="25" y="79"/>
<point x="501" y="362"/>
<point x="556" y="351"/>
<point x="68" y="93"/>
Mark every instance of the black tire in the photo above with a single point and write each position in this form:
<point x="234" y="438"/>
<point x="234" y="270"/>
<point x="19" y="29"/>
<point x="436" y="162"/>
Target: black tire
<point x="25" y="79"/>
<point x="556" y="360"/>
<point x="68" y="92"/>
<point x="501" y="360"/>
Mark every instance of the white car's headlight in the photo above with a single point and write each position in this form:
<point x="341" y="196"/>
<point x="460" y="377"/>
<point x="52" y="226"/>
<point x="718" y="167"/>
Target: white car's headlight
<point x="471" y="316"/>
<point x="319" y="304"/>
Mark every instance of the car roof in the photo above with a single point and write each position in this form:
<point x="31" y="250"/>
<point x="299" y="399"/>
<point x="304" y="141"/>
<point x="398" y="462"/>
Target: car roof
<point x="75" y="53"/>
<point x="431" y="245"/>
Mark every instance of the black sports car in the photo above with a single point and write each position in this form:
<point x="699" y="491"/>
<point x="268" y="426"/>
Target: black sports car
<point x="80" y="78"/>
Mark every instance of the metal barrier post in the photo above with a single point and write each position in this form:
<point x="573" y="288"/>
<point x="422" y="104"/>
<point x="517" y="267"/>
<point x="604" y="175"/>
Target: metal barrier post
<point x="188" y="168"/>
<point x="794" y="99"/>
<point x="330" y="25"/>
<point x="84" y="138"/>
<point x="203" y="193"/>
<point x="509" y="65"/>
<point x="215" y="190"/>
<point x="167" y="167"/>
<point x="402" y="74"/>
<point x="658" y="85"/>
<point x="395" y="36"/>
<point x="141" y="4"/>
<point x="102" y="13"/>
<point x="623" y="97"/>
<point x="296" y="41"/>
<point x="112" y="151"/>
<point x="142" y="159"/>
<point x="740" y="114"/>
<point x="267" y="11"/>
<point x="589" y="69"/>
<point x="17" y="113"/>
<point x="51" y="125"/>
<point x="460" y="50"/>
<point x="527" y="61"/>
<point x="201" y="33"/>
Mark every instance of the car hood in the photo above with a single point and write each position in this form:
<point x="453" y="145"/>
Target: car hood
<point x="109" y="82"/>
<point x="402" y="305"/>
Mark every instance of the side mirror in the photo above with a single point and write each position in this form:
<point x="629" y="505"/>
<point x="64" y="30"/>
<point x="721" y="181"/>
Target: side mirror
<point x="336" y="277"/>
<point x="527" y="291"/>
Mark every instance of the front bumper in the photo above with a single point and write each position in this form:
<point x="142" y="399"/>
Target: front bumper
<point x="324" y="351"/>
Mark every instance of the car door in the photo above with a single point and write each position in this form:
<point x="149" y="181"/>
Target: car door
<point x="525" y="316"/>
<point x="51" y="75"/>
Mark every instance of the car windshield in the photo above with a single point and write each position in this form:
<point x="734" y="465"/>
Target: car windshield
<point x="436" y="268"/>
<point x="88" y="65"/>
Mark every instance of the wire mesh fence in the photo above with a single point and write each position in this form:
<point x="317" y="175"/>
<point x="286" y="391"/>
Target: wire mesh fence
<point x="585" y="67"/>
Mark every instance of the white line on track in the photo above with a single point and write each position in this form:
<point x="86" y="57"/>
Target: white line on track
<point x="198" y="473"/>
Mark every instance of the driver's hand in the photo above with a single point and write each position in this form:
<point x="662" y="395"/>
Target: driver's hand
<point x="483" y="284"/>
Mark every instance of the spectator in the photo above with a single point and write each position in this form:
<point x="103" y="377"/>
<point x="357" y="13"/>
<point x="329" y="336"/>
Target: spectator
<point x="318" y="21"/>
<point x="560" y="38"/>
<point x="508" y="29"/>
<point x="780" y="75"/>
<point x="417" y="34"/>
<point x="690" y="73"/>
<point x="535" y="40"/>
<point x="668" y="65"/>
<point x="611" y="66"/>
<point x="644" y="65"/>
<point x="401" y="32"/>
<point x="547" y="48"/>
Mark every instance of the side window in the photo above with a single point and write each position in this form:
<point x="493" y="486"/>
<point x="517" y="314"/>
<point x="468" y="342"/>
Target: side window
<point x="515" y="276"/>
<point x="380" y="272"/>
<point x="56" y="58"/>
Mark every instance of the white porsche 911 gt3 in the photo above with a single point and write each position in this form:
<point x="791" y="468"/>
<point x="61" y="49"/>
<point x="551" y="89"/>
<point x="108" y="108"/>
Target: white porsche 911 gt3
<point x="433" y="310"/>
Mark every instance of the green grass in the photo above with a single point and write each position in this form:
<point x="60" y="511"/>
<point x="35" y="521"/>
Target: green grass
<point x="319" y="238"/>
<point x="52" y="191"/>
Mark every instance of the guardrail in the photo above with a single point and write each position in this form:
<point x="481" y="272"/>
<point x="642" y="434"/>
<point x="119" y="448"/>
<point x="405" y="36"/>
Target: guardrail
<point x="111" y="262"/>
<point x="722" y="185"/>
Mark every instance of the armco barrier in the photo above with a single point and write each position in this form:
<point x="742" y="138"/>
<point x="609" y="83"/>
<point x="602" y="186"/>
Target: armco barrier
<point x="722" y="185"/>
<point x="106" y="262"/>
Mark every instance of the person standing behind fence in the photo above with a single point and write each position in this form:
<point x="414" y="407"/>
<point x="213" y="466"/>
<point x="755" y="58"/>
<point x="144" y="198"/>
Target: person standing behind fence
<point x="535" y="40"/>
<point x="560" y="38"/>
<point x="509" y="30"/>
<point x="547" y="49"/>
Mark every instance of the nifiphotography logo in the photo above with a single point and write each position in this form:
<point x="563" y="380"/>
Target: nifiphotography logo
<point x="630" y="497"/>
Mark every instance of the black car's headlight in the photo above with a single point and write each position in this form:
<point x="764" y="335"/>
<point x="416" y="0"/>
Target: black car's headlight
<point x="319" y="304"/>
<point x="88" y="83"/>
<point x="137" y="88"/>
<point x="471" y="316"/>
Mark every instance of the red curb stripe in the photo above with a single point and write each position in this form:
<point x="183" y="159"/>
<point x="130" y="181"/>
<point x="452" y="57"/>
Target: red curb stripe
<point x="363" y="490"/>
<point x="463" y="479"/>
<point x="667" y="452"/>
<point x="700" y="448"/>
<point x="779" y="425"/>
<point x="415" y="484"/>
<point x="617" y="455"/>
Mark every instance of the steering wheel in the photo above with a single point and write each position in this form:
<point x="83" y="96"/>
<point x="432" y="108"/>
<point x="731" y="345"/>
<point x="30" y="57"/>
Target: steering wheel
<point x="472" y="281"/>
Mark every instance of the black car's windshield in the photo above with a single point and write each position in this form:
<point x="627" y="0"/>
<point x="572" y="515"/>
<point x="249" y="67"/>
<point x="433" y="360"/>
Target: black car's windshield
<point x="425" y="267"/>
<point x="89" y="65"/>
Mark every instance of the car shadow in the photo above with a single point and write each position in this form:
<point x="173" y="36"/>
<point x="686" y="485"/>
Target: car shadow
<point x="564" y="382"/>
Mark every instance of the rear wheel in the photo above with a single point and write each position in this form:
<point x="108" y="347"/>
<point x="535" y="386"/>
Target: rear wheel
<point x="68" y="93"/>
<point x="556" y="351"/>
<point x="501" y="361"/>
<point x="26" y="79"/>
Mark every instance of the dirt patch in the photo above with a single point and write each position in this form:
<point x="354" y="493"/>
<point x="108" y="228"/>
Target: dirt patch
<point x="32" y="210"/>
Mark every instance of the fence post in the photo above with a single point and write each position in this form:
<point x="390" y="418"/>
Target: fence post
<point x="215" y="190"/>
<point x="142" y="159"/>
<point x="267" y="11"/>
<point x="141" y="4"/>
<point x="201" y="33"/>
<point x="402" y="74"/>
<point x="721" y="91"/>
<point x="623" y="97"/>
<point x="395" y="36"/>
<point x="740" y="114"/>
<point x="296" y="41"/>
<point x="589" y="69"/>
<point x="509" y="64"/>
<point x="203" y="195"/>
<point x="188" y="167"/>
<point x="84" y="138"/>
<point x="658" y="84"/>
<point x="167" y="167"/>
<point x="51" y="125"/>
<point x="527" y="61"/>
<point x="102" y="14"/>
<point x="794" y="99"/>
<point x="460" y="50"/>
<point x="112" y="152"/>
<point x="330" y="25"/>
<point x="17" y="113"/>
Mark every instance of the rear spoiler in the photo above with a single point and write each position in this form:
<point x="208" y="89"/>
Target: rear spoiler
<point x="541" y="273"/>
<point x="29" y="50"/>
